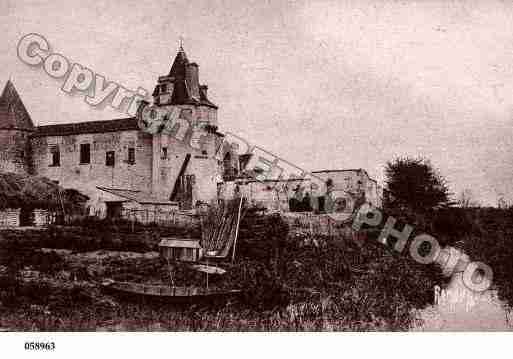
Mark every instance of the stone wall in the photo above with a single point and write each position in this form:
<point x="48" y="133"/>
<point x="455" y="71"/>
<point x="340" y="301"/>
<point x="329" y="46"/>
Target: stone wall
<point x="344" y="194"/>
<point x="193" y="139"/>
<point x="352" y="184"/>
<point x="14" y="151"/>
<point x="273" y="195"/>
<point x="152" y="170"/>
<point x="85" y="177"/>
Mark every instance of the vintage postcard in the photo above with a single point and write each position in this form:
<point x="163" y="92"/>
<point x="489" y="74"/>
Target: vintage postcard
<point x="255" y="166"/>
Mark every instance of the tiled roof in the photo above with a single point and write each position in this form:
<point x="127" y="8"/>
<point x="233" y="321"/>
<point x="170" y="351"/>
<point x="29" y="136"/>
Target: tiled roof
<point x="137" y="196"/>
<point x="123" y="124"/>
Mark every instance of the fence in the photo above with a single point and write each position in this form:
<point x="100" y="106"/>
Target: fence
<point x="11" y="217"/>
<point x="163" y="218"/>
<point x="43" y="217"/>
<point x="309" y="223"/>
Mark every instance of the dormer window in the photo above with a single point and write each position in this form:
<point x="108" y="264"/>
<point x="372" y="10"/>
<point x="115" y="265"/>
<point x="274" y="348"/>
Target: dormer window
<point x="165" y="93"/>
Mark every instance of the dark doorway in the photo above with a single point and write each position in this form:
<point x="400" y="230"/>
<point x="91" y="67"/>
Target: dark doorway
<point x="26" y="217"/>
<point x="114" y="210"/>
<point x="187" y="194"/>
<point x="321" y="202"/>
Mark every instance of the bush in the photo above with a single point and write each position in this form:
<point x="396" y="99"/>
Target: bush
<point x="493" y="245"/>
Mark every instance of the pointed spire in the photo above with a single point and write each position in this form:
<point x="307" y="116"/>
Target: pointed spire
<point x="183" y="79"/>
<point x="9" y="89"/>
<point x="179" y="64"/>
<point x="13" y="111"/>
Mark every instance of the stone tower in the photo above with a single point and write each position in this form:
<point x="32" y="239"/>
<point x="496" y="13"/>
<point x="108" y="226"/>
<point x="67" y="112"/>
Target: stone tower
<point x="184" y="165"/>
<point x="15" y="129"/>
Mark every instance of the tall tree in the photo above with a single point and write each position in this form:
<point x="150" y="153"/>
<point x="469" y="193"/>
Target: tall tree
<point x="413" y="183"/>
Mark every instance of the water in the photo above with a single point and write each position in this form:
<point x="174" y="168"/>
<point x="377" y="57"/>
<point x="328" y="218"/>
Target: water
<point x="458" y="308"/>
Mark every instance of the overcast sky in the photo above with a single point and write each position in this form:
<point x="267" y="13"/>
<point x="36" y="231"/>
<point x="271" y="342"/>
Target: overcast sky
<point x="324" y="84"/>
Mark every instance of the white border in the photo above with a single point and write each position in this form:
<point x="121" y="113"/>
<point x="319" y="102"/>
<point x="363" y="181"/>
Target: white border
<point x="260" y="345"/>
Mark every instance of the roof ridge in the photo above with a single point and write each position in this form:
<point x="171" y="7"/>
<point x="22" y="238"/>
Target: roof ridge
<point x="98" y="126"/>
<point x="83" y="122"/>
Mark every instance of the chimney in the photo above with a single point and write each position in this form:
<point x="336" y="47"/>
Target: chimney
<point x="192" y="79"/>
<point x="204" y="89"/>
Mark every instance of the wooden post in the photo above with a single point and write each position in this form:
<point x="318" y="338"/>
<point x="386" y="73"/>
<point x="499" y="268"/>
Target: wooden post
<point x="237" y="228"/>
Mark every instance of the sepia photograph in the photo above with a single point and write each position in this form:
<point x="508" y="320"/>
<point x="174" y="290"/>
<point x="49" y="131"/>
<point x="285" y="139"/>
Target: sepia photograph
<point x="309" y="166"/>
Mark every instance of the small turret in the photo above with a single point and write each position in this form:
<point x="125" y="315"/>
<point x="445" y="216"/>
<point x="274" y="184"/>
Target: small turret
<point x="181" y="86"/>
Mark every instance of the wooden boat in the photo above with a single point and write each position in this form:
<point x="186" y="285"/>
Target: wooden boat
<point x="167" y="292"/>
<point x="205" y="268"/>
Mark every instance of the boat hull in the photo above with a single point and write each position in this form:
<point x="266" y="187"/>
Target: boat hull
<point x="169" y="294"/>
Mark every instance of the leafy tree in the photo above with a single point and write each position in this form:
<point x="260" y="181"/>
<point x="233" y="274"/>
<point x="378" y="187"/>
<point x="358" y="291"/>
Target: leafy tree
<point x="413" y="184"/>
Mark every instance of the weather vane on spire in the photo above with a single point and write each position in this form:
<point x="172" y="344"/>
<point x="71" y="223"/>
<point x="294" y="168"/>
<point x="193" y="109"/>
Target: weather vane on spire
<point x="181" y="43"/>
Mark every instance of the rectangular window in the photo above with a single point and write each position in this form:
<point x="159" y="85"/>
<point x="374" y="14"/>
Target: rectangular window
<point x="163" y="155"/>
<point x="55" y="156"/>
<point x="85" y="153"/>
<point x="131" y="155"/>
<point x="110" y="158"/>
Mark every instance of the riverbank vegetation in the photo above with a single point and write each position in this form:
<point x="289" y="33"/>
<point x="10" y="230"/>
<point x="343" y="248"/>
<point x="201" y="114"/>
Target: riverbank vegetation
<point x="291" y="282"/>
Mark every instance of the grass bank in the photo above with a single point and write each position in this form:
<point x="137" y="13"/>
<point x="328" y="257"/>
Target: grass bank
<point x="291" y="282"/>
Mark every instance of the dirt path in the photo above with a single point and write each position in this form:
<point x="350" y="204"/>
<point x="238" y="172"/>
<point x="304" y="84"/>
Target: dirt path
<point x="461" y="309"/>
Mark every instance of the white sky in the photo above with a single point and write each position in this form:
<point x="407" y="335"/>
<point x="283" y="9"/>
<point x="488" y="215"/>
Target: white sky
<point x="326" y="85"/>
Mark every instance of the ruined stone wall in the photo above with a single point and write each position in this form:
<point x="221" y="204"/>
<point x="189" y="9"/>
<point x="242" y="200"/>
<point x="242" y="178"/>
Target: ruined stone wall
<point x="352" y="184"/>
<point x="273" y="195"/>
<point x="352" y="181"/>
